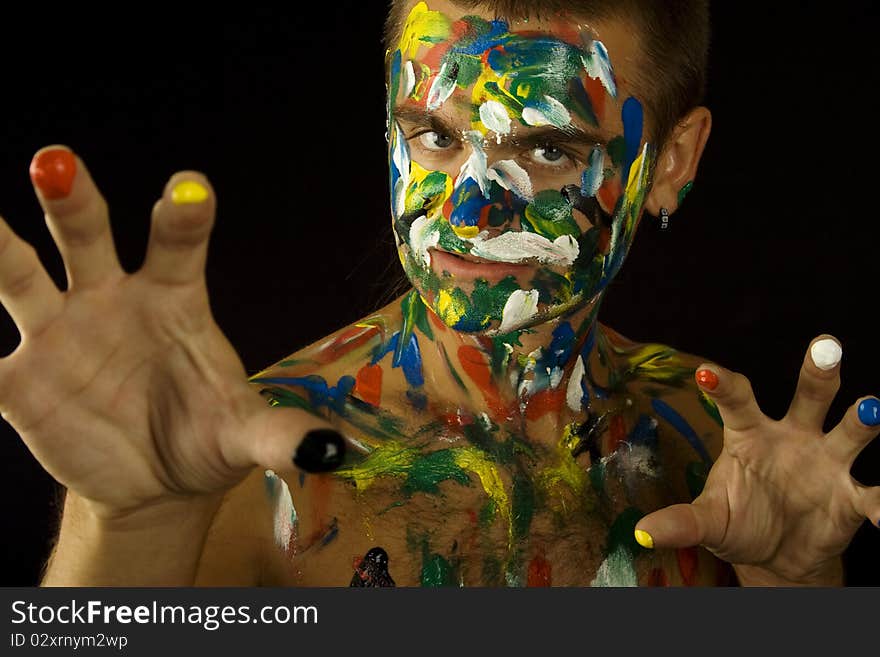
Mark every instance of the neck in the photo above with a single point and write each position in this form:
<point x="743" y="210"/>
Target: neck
<point x="526" y="373"/>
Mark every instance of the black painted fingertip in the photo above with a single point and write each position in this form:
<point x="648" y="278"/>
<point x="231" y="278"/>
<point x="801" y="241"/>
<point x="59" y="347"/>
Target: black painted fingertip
<point x="322" y="450"/>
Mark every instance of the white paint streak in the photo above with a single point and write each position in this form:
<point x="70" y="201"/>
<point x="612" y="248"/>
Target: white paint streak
<point x="409" y="79"/>
<point x="826" y="353"/>
<point x="402" y="162"/>
<point x="284" y="515"/>
<point x="533" y="116"/>
<point x="574" y="393"/>
<point x="553" y="113"/>
<point x="423" y="235"/>
<point x="512" y="177"/>
<point x="475" y="166"/>
<point x="518" y="246"/>
<point x="617" y="570"/>
<point x="521" y="306"/>
<point x="441" y="89"/>
<point x="495" y="117"/>
<point x="598" y="66"/>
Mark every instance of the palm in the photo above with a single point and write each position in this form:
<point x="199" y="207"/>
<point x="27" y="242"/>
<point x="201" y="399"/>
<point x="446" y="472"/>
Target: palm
<point x="123" y="387"/>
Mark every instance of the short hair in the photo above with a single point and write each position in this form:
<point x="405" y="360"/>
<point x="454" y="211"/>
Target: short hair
<point x="673" y="40"/>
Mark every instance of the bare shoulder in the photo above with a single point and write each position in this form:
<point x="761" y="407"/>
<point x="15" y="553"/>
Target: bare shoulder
<point x="660" y="378"/>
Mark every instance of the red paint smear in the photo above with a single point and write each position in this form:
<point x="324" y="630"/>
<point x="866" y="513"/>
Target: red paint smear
<point x="345" y="343"/>
<point x="543" y="402"/>
<point x="473" y="362"/>
<point x="433" y="58"/>
<point x="368" y="384"/>
<point x="540" y="572"/>
<point x="618" y="432"/>
<point x="687" y="565"/>
<point x="658" y="577"/>
<point x="596" y="92"/>
<point x="608" y="194"/>
<point x="603" y="241"/>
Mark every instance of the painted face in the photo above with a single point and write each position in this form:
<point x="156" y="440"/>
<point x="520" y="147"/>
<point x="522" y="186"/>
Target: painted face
<point x="518" y="173"/>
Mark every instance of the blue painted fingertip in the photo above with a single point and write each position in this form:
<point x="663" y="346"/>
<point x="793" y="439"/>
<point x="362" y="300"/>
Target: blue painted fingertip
<point x="869" y="412"/>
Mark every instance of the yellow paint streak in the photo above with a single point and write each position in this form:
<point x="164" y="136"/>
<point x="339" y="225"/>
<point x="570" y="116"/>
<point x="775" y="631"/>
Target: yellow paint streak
<point x="450" y="311"/>
<point x="390" y="459"/>
<point x="422" y="27"/>
<point x="474" y="460"/>
<point x="466" y="232"/>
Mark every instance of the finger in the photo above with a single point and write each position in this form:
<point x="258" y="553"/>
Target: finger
<point x="869" y="501"/>
<point x="818" y="383"/>
<point x="26" y="290"/>
<point x="859" y="426"/>
<point x="181" y="224"/>
<point x="676" y="526"/>
<point x="76" y="215"/>
<point x="282" y="438"/>
<point x="733" y="395"/>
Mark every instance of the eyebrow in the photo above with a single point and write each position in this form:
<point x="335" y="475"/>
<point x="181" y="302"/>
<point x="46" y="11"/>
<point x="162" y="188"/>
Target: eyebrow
<point x="536" y="136"/>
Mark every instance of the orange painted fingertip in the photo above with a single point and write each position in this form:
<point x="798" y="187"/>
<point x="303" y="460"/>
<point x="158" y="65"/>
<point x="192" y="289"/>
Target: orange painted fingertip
<point x="52" y="172"/>
<point x="707" y="379"/>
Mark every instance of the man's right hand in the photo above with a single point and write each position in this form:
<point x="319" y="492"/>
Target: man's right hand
<point x="124" y="387"/>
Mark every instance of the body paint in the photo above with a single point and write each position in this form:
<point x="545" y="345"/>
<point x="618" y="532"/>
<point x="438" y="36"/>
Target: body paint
<point x="372" y="570"/>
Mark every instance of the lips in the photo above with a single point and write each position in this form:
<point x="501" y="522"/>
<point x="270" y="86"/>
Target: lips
<point x="466" y="266"/>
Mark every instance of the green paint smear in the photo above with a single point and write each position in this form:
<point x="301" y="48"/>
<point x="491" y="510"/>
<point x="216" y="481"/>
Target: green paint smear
<point x="437" y="572"/>
<point x="424" y="195"/>
<point x="684" y="191"/>
<point x="596" y="474"/>
<point x="695" y="474"/>
<point x="428" y="471"/>
<point x="710" y="407"/>
<point x="487" y="514"/>
<point x="549" y="215"/>
<point x="452" y="370"/>
<point x="523" y="507"/>
<point x="622" y="532"/>
<point x="616" y="149"/>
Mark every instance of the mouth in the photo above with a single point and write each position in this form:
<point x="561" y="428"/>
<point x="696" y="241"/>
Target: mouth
<point x="469" y="267"/>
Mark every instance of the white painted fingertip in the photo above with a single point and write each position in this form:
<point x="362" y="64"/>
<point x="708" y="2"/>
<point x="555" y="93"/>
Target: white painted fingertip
<point x="826" y="353"/>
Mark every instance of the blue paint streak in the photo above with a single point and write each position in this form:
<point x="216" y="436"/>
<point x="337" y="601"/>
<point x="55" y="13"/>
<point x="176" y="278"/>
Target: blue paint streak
<point x="644" y="433"/>
<point x="669" y="414"/>
<point x="410" y="359"/>
<point x="498" y="34"/>
<point x="592" y="177"/>
<point x="332" y="533"/>
<point x="320" y="394"/>
<point x="633" y="123"/>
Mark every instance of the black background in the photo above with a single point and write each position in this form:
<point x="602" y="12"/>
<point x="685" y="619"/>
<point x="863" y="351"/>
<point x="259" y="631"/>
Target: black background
<point x="284" y="111"/>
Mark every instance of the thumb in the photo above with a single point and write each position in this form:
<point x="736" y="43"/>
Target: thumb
<point x="676" y="526"/>
<point x="278" y="438"/>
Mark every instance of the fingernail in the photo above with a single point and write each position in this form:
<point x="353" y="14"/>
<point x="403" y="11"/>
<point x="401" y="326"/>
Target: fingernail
<point x="826" y="353"/>
<point x="644" y="539"/>
<point x="188" y="191"/>
<point x="869" y="412"/>
<point x="53" y="171"/>
<point x="322" y="450"/>
<point x="707" y="379"/>
<point x="684" y="191"/>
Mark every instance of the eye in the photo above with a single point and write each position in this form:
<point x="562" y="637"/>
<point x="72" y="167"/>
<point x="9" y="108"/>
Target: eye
<point x="435" y="141"/>
<point x="550" y="155"/>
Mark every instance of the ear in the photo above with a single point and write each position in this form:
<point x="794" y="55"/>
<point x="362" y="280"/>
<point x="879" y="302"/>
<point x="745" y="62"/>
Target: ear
<point x="678" y="161"/>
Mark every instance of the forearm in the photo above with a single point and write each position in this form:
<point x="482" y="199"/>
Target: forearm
<point x="829" y="575"/>
<point x="160" y="546"/>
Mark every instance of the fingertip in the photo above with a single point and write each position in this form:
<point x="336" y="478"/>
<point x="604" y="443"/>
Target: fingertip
<point x="826" y="352"/>
<point x="52" y="171"/>
<point x="868" y="412"/>
<point x="188" y="187"/>
<point x="644" y="539"/>
<point x="707" y="377"/>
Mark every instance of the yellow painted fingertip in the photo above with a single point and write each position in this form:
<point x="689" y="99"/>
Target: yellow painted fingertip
<point x="188" y="191"/>
<point x="644" y="539"/>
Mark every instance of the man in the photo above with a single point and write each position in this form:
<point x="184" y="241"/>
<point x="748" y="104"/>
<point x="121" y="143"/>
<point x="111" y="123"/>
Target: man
<point x="497" y="434"/>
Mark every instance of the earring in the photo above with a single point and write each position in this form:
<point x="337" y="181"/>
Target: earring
<point x="664" y="218"/>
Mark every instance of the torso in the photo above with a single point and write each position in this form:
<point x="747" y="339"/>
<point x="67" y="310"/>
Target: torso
<point x="459" y="497"/>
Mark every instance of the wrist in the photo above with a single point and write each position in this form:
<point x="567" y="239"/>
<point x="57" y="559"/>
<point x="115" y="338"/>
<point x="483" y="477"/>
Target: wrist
<point x="159" y="545"/>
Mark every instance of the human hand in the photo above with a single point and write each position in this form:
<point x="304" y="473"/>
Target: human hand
<point x="124" y="387"/>
<point x="779" y="503"/>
